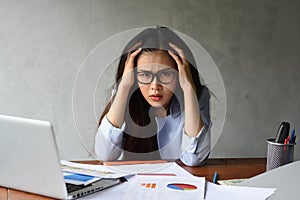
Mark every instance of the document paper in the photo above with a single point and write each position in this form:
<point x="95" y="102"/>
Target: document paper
<point x="166" y="188"/>
<point x="99" y="171"/>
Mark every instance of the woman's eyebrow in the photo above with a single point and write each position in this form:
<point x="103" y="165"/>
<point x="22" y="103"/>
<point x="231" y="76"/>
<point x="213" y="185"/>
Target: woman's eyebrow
<point x="167" y="69"/>
<point x="143" y="70"/>
<point x="163" y="70"/>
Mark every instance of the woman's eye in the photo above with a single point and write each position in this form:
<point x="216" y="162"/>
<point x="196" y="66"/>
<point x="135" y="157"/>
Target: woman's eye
<point x="166" y="74"/>
<point x="143" y="74"/>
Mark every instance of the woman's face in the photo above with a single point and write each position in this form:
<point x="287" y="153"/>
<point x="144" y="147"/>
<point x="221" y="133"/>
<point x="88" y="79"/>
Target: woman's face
<point x="157" y="77"/>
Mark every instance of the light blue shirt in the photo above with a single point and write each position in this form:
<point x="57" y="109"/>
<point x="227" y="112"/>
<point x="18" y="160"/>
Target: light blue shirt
<point x="173" y="143"/>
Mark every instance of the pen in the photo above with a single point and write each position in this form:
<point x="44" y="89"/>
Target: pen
<point x="293" y="137"/>
<point x="215" y="177"/>
<point x="288" y="139"/>
<point x="293" y="140"/>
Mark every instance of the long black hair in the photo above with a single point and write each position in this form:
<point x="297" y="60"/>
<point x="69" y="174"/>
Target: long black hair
<point x="137" y="109"/>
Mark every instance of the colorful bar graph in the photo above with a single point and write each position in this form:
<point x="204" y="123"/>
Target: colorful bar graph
<point x="149" y="185"/>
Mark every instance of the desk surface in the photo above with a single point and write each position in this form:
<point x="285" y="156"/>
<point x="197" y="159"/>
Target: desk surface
<point x="226" y="168"/>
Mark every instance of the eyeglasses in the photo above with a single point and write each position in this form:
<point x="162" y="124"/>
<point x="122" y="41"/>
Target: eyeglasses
<point x="164" y="77"/>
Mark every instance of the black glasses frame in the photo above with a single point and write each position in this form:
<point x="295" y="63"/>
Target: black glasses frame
<point x="157" y="77"/>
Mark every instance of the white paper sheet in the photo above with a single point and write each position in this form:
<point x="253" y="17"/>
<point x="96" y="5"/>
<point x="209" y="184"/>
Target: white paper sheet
<point x="225" y="192"/>
<point x="213" y="191"/>
<point x="91" y="170"/>
<point x="118" y="192"/>
<point x="166" y="188"/>
<point x="168" y="168"/>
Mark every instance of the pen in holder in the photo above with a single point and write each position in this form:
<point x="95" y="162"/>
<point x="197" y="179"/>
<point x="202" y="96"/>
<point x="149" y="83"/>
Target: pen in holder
<point x="279" y="154"/>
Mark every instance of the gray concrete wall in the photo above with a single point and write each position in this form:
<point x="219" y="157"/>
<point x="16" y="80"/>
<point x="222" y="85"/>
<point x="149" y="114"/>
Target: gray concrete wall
<point x="255" y="44"/>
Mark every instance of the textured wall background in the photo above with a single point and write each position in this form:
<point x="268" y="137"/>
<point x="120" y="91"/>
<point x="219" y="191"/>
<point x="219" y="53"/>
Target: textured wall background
<point x="255" y="44"/>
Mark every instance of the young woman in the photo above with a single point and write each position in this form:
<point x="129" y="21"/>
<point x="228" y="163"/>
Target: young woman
<point x="158" y="108"/>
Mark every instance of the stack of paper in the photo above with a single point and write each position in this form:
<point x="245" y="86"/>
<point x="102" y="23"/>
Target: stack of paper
<point x="99" y="171"/>
<point x="166" y="181"/>
<point x="208" y="191"/>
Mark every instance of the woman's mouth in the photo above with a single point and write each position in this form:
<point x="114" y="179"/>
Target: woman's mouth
<point x="156" y="97"/>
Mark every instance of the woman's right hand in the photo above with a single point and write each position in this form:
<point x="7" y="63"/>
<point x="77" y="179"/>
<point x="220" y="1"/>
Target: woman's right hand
<point x="128" y="73"/>
<point x="116" y="113"/>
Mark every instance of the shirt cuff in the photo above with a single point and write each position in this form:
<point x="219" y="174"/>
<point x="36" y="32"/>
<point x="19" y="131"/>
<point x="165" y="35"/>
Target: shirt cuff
<point x="192" y="142"/>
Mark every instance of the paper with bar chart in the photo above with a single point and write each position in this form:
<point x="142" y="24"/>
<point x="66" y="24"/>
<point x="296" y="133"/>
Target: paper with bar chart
<point x="166" y="188"/>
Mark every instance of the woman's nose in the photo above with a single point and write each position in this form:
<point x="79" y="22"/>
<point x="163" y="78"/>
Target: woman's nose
<point x="155" y="85"/>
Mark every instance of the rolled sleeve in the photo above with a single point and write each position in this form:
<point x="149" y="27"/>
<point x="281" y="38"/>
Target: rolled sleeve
<point x="197" y="149"/>
<point x="110" y="132"/>
<point x="108" y="141"/>
<point x="194" y="141"/>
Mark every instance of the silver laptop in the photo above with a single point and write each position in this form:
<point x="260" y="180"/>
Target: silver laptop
<point x="29" y="161"/>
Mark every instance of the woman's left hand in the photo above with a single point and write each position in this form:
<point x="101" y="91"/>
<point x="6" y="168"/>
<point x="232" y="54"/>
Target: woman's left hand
<point x="184" y="71"/>
<point x="193" y="121"/>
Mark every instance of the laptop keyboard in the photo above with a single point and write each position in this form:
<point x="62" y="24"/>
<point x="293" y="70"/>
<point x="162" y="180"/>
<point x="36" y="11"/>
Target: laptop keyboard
<point x="77" y="191"/>
<point x="72" y="187"/>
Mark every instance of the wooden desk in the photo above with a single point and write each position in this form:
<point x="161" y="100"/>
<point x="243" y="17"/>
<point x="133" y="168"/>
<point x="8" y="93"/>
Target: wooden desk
<point x="226" y="168"/>
<point x="229" y="168"/>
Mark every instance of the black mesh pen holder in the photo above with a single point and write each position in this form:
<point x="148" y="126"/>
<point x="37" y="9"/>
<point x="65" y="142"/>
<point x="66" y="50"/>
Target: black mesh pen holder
<point x="279" y="154"/>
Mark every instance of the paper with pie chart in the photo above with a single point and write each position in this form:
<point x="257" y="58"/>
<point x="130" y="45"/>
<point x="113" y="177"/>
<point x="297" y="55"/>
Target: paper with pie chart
<point x="166" y="188"/>
<point x="181" y="186"/>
